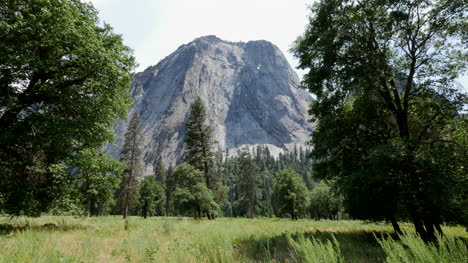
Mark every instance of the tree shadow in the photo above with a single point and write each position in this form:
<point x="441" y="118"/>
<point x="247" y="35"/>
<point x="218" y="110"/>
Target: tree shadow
<point x="356" y="246"/>
<point x="6" y="229"/>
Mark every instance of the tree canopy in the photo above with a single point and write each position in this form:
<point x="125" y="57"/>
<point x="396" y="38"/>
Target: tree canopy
<point x="191" y="194"/>
<point x="64" y="77"/>
<point x="383" y="73"/>
<point x="291" y="193"/>
<point x="96" y="176"/>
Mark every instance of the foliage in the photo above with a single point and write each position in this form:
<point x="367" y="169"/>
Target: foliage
<point x="248" y="183"/>
<point x="160" y="171"/>
<point x="383" y="76"/>
<point x="152" y="197"/>
<point x="132" y="157"/>
<point x="64" y="78"/>
<point x="197" y="200"/>
<point x="96" y="177"/>
<point x="229" y="170"/>
<point x="312" y="250"/>
<point x="410" y="248"/>
<point x="191" y="196"/>
<point x="198" y="141"/>
<point x="68" y="202"/>
<point x="291" y="193"/>
<point x="91" y="178"/>
<point x="324" y="203"/>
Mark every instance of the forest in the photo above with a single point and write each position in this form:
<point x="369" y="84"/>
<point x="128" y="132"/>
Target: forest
<point x="385" y="167"/>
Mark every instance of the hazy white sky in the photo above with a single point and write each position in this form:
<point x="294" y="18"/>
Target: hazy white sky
<point x="155" y="28"/>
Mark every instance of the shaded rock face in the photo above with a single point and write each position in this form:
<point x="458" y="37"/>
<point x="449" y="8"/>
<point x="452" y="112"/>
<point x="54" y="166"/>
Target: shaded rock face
<point x="249" y="90"/>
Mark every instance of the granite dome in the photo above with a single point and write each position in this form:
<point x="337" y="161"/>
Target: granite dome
<point x="249" y="89"/>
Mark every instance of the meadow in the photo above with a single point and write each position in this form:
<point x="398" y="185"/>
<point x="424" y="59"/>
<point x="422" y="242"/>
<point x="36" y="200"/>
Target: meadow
<point x="172" y="239"/>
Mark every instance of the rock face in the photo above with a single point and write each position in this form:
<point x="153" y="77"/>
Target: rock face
<point x="249" y="90"/>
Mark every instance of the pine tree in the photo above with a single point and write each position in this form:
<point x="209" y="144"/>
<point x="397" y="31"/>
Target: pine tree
<point x="248" y="174"/>
<point x="160" y="171"/>
<point x="131" y="155"/>
<point x="198" y="141"/>
<point x="171" y="184"/>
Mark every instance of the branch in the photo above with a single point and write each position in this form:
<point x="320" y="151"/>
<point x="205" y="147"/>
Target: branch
<point x="428" y="125"/>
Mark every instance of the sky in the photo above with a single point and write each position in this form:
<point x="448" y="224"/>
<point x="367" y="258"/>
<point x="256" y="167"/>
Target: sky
<point x="156" y="28"/>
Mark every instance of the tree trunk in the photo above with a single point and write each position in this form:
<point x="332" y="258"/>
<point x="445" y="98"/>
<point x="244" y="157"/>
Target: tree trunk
<point x="419" y="227"/>
<point x="125" y="211"/>
<point x="395" y="225"/>
<point x="88" y="207"/>
<point x="430" y="230"/>
<point x="438" y="228"/>
<point x="145" y="209"/>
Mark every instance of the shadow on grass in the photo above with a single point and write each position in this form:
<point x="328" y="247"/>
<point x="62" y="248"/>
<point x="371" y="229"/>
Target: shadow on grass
<point x="6" y="229"/>
<point x="355" y="246"/>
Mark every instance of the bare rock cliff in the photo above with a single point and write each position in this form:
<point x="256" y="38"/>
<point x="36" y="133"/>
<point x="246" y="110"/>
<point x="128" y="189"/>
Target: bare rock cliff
<point x="250" y="93"/>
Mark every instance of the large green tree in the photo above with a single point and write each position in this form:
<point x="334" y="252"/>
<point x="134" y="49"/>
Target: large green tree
<point x="96" y="177"/>
<point x="383" y="73"/>
<point x="324" y="203"/>
<point x="291" y="193"/>
<point x="64" y="77"/>
<point x="191" y="196"/>
<point x="152" y="197"/>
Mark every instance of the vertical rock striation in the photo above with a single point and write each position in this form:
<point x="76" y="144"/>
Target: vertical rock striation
<point x="249" y="89"/>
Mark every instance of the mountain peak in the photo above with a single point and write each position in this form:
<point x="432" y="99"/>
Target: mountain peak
<point x="249" y="90"/>
<point x="209" y="38"/>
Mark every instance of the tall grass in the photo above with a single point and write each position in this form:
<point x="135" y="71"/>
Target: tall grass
<point x="412" y="249"/>
<point x="164" y="239"/>
<point x="312" y="250"/>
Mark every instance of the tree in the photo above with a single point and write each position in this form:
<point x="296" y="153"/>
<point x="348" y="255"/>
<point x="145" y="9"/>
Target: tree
<point x="248" y="181"/>
<point x="159" y="171"/>
<point x="96" y="176"/>
<point x="198" y="141"/>
<point x="64" y="77"/>
<point x="152" y="196"/>
<point x="132" y="156"/>
<point x="291" y="193"/>
<point x="161" y="175"/>
<point x="170" y="187"/>
<point x="191" y="194"/>
<point x="324" y="203"/>
<point x="383" y="76"/>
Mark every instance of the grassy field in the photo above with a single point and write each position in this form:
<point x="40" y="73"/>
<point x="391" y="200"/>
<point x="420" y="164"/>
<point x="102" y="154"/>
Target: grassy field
<point x="109" y="239"/>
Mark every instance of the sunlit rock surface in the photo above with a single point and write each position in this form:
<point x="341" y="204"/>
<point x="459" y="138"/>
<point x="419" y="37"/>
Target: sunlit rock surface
<point x="249" y="89"/>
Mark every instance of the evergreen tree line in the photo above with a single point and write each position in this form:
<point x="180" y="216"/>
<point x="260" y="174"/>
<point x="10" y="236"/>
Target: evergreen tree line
<point x="250" y="182"/>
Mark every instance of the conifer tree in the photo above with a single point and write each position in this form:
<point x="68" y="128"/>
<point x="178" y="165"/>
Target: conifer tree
<point x="131" y="155"/>
<point x="198" y="141"/>
<point x="248" y="173"/>
<point x="159" y="171"/>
